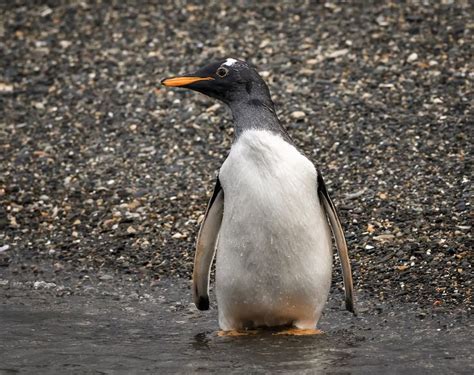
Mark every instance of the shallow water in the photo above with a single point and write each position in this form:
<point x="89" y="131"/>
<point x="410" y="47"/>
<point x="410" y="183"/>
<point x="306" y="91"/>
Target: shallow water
<point x="162" y="332"/>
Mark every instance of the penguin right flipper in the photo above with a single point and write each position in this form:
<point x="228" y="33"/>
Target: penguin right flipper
<point x="341" y="244"/>
<point x="206" y="247"/>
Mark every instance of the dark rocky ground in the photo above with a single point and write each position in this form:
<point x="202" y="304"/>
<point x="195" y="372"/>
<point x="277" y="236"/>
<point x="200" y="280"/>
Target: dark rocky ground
<point x="105" y="175"/>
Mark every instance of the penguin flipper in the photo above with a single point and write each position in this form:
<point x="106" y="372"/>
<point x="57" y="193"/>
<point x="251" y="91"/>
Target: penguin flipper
<point x="341" y="244"/>
<point x="206" y="247"/>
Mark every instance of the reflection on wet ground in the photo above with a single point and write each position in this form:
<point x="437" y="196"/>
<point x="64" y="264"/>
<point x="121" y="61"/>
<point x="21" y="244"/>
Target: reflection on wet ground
<point x="164" y="333"/>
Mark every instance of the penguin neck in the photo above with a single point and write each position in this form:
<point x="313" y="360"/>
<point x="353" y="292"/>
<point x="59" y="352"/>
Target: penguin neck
<point x="256" y="114"/>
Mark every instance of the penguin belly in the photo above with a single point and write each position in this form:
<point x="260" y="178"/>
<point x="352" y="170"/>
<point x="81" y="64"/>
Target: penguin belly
<point x="274" y="257"/>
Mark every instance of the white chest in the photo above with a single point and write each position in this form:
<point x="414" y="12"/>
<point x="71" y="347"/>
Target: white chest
<point x="263" y="164"/>
<point x="269" y="187"/>
<point x="274" y="245"/>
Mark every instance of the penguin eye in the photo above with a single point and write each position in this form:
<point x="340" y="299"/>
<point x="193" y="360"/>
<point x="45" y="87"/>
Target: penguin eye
<point x="222" y="72"/>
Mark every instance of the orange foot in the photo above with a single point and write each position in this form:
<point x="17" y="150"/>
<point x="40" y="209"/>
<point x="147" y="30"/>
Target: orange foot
<point x="299" y="332"/>
<point x="235" y="333"/>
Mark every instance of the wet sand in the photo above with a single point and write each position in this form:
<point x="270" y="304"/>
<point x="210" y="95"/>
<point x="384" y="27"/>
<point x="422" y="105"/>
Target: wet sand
<point x="124" y="331"/>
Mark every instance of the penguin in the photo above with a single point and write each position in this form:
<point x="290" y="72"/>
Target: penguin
<point x="269" y="219"/>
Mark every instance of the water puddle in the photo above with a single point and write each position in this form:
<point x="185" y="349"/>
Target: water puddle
<point x="163" y="333"/>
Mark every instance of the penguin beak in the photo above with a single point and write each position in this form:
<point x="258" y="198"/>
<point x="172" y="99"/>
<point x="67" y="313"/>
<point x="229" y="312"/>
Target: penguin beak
<point x="183" y="81"/>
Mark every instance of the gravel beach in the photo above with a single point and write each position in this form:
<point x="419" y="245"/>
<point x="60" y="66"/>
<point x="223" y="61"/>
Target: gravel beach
<point x="105" y="175"/>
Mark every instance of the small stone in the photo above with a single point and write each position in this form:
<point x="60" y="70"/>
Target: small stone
<point x="382" y="21"/>
<point x="403" y="267"/>
<point x="355" y="194"/>
<point x="412" y="57"/>
<point x="298" y="115"/>
<point x="421" y="315"/>
<point x="338" y="53"/>
<point x="5" y="87"/>
<point x="384" y="237"/>
<point x="382" y="195"/>
<point x="306" y="72"/>
<point x="45" y="11"/>
<point x="13" y="222"/>
<point x="264" y="43"/>
<point x="134" y="296"/>
<point x="43" y="285"/>
<point x="177" y="235"/>
<point x="213" y="108"/>
<point x="65" y="43"/>
<point x="106" y="277"/>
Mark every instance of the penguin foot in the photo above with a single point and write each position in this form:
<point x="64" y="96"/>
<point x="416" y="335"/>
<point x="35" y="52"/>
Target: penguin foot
<point x="236" y="333"/>
<point x="299" y="332"/>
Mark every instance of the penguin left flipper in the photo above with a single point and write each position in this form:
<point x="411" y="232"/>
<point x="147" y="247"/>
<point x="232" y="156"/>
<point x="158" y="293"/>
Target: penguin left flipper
<point x="206" y="247"/>
<point x="341" y="244"/>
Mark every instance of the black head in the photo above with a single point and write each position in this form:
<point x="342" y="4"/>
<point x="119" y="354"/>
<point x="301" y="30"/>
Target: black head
<point x="229" y="80"/>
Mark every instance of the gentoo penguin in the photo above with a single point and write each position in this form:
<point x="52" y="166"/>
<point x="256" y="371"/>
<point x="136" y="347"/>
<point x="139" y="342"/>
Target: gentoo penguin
<point x="268" y="216"/>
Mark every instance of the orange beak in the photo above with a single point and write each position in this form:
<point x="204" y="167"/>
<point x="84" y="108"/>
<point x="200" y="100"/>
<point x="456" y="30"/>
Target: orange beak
<point x="183" y="81"/>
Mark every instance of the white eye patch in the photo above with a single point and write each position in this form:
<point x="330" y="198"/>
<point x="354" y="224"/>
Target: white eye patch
<point x="230" y="62"/>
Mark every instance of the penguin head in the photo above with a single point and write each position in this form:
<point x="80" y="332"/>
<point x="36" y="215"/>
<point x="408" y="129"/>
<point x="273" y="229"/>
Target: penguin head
<point x="228" y="80"/>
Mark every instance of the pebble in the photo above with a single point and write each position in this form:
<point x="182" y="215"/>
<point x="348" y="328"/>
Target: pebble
<point x="298" y="115"/>
<point x="412" y="57"/>
<point x="356" y="194"/>
<point x="106" y="277"/>
<point x="384" y="237"/>
<point x="131" y="230"/>
<point x="5" y="87"/>
<point x="338" y="53"/>
<point x="43" y="285"/>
